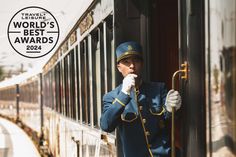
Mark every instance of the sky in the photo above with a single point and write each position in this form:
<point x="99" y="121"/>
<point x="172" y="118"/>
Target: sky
<point x="66" y="13"/>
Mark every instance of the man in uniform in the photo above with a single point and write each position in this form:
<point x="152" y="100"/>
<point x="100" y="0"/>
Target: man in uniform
<point x="139" y="109"/>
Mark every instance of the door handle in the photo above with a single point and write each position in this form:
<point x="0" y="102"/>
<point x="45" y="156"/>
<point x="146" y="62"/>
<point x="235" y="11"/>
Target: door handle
<point x="184" y="75"/>
<point x="183" y="71"/>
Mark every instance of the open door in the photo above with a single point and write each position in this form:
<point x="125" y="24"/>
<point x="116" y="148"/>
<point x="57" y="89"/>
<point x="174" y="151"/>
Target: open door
<point x="177" y="36"/>
<point x="164" y="52"/>
<point x="164" y="60"/>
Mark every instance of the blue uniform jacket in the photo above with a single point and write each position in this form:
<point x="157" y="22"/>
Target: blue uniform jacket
<point x="142" y="125"/>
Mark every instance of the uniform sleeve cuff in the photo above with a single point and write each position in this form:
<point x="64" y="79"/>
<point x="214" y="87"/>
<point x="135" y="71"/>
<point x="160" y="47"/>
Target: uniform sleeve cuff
<point x="122" y="99"/>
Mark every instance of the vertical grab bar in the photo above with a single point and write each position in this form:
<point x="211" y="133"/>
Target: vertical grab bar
<point x="184" y="71"/>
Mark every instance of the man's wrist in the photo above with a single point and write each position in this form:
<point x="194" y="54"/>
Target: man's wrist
<point x="168" y="108"/>
<point x="125" y="92"/>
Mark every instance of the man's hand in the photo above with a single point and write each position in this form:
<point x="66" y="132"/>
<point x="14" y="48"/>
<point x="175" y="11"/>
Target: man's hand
<point x="173" y="99"/>
<point x="128" y="83"/>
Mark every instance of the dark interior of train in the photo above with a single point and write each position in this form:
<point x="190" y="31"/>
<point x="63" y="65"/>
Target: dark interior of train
<point x="163" y="40"/>
<point x="164" y="60"/>
<point x="155" y="25"/>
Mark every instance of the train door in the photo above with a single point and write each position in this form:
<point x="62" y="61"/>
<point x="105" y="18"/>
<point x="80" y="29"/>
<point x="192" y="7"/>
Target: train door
<point x="164" y="51"/>
<point x="177" y="35"/>
<point x="192" y="49"/>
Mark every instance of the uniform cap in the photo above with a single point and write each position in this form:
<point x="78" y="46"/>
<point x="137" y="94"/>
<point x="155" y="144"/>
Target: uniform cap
<point x="128" y="49"/>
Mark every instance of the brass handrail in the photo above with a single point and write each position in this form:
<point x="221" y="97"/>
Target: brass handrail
<point x="184" y="71"/>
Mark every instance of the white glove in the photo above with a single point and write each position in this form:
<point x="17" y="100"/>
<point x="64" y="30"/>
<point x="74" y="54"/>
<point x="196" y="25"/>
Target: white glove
<point x="173" y="99"/>
<point x="128" y="83"/>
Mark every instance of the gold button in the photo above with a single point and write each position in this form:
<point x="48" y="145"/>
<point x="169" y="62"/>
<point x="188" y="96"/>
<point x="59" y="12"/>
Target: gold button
<point x="147" y="133"/>
<point x="140" y="108"/>
<point x="144" y="120"/>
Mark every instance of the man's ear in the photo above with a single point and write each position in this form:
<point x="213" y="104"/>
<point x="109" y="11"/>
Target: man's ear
<point x="118" y="66"/>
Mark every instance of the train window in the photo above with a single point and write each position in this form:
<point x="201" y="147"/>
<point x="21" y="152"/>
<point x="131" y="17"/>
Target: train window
<point x="84" y="82"/>
<point x="53" y="89"/>
<point x="77" y="85"/>
<point x="57" y="87"/>
<point x="72" y="85"/>
<point x="31" y="89"/>
<point x="66" y="89"/>
<point x="62" y="87"/>
<point x="7" y="94"/>
<point x="108" y="40"/>
<point x="56" y="98"/>
<point x="35" y="92"/>
<point x="46" y="89"/>
<point x="49" y="89"/>
<point x="69" y="84"/>
<point x="96" y="72"/>
<point x="91" y="80"/>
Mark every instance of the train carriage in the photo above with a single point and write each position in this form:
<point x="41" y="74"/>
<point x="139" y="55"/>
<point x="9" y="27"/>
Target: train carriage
<point x="195" y="36"/>
<point x="171" y="32"/>
<point x="10" y="93"/>
<point x="29" y="103"/>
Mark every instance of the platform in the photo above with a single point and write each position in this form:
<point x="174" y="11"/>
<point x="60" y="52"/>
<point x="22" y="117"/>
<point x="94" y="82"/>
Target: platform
<point x="14" y="142"/>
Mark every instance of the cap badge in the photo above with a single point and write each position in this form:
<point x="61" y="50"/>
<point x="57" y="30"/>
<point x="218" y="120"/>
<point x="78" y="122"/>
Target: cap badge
<point x="130" y="47"/>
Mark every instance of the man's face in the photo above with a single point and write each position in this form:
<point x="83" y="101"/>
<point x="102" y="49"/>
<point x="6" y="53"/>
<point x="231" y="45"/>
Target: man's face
<point x="130" y="65"/>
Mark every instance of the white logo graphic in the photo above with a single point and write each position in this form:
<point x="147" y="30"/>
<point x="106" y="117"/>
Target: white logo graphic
<point x="33" y="32"/>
